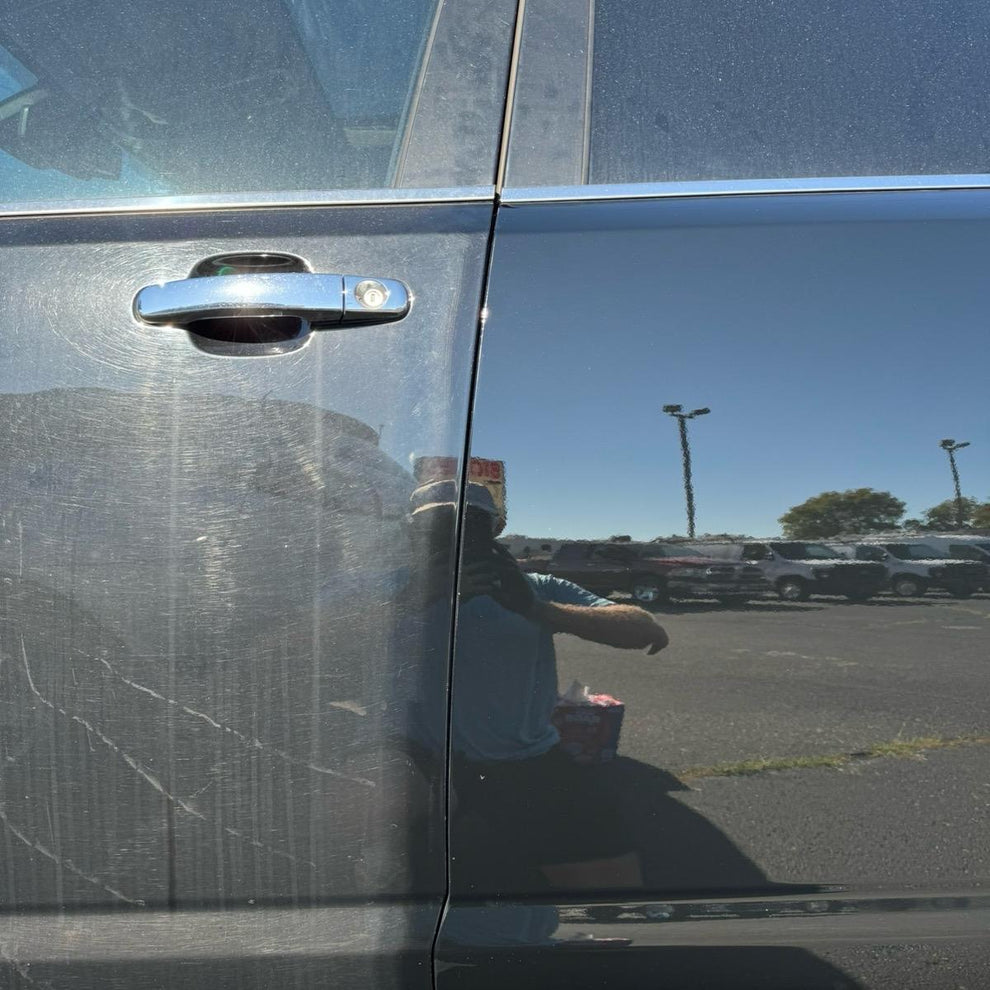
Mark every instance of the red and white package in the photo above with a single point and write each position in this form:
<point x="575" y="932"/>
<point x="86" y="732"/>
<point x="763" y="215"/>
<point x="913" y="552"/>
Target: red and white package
<point x="588" y="724"/>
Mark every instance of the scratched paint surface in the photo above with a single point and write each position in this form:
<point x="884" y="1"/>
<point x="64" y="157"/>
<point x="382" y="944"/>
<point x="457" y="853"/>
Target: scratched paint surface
<point x="204" y="635"/>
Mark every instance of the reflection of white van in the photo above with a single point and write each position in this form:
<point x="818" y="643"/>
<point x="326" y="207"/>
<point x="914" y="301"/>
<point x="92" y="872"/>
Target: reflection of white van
<point x="798" y="569"/>
<point x="913" y="568"/>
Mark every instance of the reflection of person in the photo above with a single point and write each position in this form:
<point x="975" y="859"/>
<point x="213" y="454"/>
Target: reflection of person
<point x="509" y="773"/>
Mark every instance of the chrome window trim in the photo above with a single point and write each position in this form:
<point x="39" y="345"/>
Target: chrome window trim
<point x="252" y="201"/>
<point x="519" y="196"/>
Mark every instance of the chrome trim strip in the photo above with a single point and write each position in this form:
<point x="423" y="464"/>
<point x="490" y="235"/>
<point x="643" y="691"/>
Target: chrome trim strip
<point x="252" y="201"/>
<point x="501" y="166"/>
<point x="589" y="93"/>
<point x="742" y="187"/>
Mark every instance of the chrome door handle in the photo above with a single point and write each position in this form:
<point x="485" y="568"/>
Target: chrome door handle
<point x="317" y="299"/>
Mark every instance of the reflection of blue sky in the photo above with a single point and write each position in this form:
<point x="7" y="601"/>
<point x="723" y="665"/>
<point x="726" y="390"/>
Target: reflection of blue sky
<point x="13" y="76"/>
<point x="23" y="184"/>
<point x="342" y="39"/>
<point x="226" y="110"/>
<point x="833" y="356"/>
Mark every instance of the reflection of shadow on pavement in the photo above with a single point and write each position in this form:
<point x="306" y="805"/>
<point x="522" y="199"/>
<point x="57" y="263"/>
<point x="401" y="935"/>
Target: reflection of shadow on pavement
<point x="683" y="856"/>
<point x="681" y="851"/>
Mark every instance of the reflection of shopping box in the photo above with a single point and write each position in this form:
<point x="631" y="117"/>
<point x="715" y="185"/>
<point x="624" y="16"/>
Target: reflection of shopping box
<point x="589" y="731"/>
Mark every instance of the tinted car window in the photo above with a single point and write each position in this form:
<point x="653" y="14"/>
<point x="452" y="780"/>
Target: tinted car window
<point x="745" y="89"/>
<point x="173" y="99"/>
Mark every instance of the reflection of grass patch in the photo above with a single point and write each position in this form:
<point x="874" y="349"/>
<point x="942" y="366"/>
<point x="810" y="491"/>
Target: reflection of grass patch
<point x="894" y="748"/>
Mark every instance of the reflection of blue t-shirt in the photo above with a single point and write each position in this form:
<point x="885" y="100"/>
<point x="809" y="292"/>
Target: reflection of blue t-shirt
<point x="505" y="676"/>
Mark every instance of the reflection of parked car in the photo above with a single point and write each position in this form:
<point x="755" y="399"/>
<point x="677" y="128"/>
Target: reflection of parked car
<point x="652" y="572"/>
<point x="798" y="570"/>
<point x="913" y="568"/>
<point x="961" y="547"/>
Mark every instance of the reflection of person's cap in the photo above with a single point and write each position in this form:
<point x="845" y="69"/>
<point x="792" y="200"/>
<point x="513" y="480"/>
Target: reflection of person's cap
<point x="445" y="493"/>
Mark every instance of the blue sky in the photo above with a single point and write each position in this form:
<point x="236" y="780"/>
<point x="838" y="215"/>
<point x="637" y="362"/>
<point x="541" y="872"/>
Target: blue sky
<point x="833" y="356"/>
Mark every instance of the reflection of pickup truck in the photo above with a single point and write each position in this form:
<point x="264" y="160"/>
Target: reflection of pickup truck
<point x="651" y="572"/>
<point x="799" y="569"/>
<point x="913" y="568"/>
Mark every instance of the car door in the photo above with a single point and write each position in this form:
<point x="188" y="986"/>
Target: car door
<point x="761" y="222"/>
<point x="598" y="566"/>
<point x="614" y="564"/>
<point x="242" y="249"/>
<point x="574" y="563"/>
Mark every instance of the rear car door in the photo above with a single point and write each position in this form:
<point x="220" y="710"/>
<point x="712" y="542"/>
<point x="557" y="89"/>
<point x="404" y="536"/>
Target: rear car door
<point x="241" y="259"/>
<point x="762" y="222"/>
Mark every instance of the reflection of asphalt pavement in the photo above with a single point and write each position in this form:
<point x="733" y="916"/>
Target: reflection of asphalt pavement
<point x="873" y="823"/>
<point x="785" y="682"/>
<point x="822" y="679"/>
<point x="782" y="680"/>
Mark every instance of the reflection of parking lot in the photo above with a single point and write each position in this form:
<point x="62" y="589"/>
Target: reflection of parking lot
<point x="823" y="740"/>
<point x="787" y="680"/>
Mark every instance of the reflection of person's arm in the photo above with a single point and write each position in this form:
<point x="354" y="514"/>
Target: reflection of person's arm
<point x="624" y="626"/>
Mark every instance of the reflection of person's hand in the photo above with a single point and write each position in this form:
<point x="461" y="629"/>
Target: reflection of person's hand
<point x="513" y="589"/>
<point x="478" y="577"/>
<point x="659" y="641"/>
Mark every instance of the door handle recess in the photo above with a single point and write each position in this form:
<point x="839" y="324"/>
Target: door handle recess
<point x="316" y="299"/>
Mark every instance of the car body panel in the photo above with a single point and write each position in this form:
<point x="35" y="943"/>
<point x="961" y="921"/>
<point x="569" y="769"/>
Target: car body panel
<point x="206" y="639"/>
<point x="210" y="632"/>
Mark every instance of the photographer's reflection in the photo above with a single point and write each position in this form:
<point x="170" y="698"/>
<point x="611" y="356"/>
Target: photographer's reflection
<point x="527" y="815"/>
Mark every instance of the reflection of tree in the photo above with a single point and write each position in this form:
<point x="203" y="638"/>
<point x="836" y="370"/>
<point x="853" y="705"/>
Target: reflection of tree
<point x="858" y="510"/>
<point x="945" y="515"/>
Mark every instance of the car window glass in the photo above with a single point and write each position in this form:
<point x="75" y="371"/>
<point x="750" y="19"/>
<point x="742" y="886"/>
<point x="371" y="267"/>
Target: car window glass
<point x="745" y="89"/>
<point x="172" y="99"/>
<point x="14" y="78"/>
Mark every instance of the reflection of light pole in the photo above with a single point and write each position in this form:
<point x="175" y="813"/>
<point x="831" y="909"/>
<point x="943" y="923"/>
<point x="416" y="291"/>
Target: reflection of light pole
<point x="950" y="447"/>
<point x="682" y="418"/>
